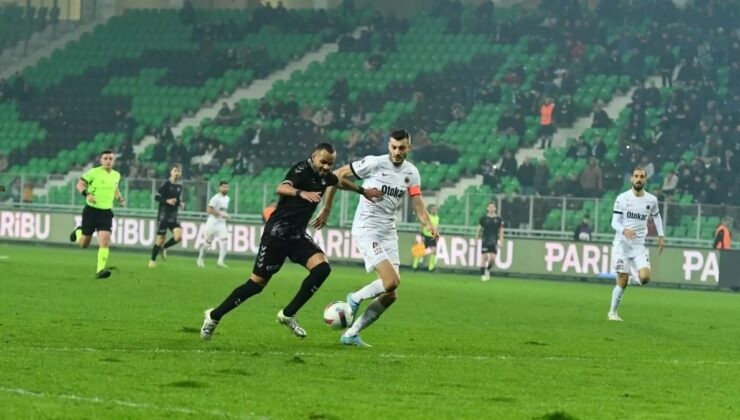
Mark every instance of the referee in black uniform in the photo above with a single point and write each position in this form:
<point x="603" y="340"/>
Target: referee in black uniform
<point x="170" y="202"/>
<point x="285" y="237"/>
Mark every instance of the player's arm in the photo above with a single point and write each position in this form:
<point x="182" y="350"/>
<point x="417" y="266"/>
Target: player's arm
<point x="718" y="239"/>
<point x="659" y="228"/>
<point x="617" y="225"/>
<point x="161" y="196"/>
<point x="421" y="212"/>
<point x="119" y="197"/>
<point x="501" y="233"/>
<point x="81" y="186"/>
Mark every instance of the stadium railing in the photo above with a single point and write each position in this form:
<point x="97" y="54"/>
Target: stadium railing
<point x="525" y="216"/>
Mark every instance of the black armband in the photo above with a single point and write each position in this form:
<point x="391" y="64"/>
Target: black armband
<point x="360" y="190"/>
<point x="85" y="193"/>
<point x="298" y="193"/>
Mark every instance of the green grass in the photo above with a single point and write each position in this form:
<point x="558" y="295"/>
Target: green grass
<point x="452" y="347"/>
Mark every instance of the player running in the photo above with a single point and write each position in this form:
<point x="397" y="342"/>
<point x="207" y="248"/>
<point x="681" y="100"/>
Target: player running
<point x="430" y="243"/>
<point x="216" y="225"/>
<point x="285" y="236"/>
<point x="374" y="226"/>
<point x="170" y="202"/>
<point x="631" y="212"/>
<point x="99" y="186"/>
<point x="491" y="231"/>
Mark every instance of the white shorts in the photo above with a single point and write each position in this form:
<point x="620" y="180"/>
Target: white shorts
<point x="216" y="228"/>
<point x="625" y="259"/>
<point x="377" y="246"/>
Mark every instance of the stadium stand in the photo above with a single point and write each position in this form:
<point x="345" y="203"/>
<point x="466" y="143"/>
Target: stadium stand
<point x="468" y="81"/>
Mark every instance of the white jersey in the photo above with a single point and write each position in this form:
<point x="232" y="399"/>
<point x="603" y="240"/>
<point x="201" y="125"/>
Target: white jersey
<point x="634" y="212"/>
<point x="395" y="181"/>
<point x="220" y="203"/>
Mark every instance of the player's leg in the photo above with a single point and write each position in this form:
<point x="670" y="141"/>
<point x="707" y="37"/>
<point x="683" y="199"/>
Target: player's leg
<point x="103" y="253"/>
<point x="388" y="271"/>
<point x="432" y="258"/>
<point x="223" y="241"/>
<point x="104" y="226"/>
<point x="318" y="270"/>
<point x="642" y="263"/>
<point x="210" y="235"/>
<point x="376" y="308"/>
<point x="269" y="259"/>
<point x="176" y="237"/>
<point x="621" y="265"/>
<point x="157" y="247"/>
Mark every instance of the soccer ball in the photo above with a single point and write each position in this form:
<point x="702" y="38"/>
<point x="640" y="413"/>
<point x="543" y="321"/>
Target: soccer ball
<point x="338" y="315"/>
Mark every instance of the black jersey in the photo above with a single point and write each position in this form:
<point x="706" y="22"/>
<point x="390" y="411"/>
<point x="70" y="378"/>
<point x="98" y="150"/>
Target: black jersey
<point x="491" y="226"/>
<point x="168" y="190"/>
<point x="292" y="214"/>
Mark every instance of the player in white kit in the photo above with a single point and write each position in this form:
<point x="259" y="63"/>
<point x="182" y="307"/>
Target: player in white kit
<point x="374" y="226"/>
<point x="216" y="225"/>
<point x="630" y="219"/>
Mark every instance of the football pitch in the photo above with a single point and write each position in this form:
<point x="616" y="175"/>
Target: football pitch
<point x="451" y="347"/>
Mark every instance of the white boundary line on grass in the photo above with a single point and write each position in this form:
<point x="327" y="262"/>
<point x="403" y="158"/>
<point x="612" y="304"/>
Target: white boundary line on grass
<point x="130" y="404"/>
<point x="344" y="353"/>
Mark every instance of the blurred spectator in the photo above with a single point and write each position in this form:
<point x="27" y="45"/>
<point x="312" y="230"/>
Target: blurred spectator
<point x="187" y="13"/>
<point x="670" y="182"/>
<point x="525" y="175"/>
<point x="565" y="113"/>
<point x="600" y="117"/>
<point x="547" y="128"/>
<point x="666" y="64"/>
<point x="723" y="236"/>
<point x="541" y="177"/>
<point x="508" y="165"/>
<point x="598" y="150"/>
<point x="323" y="118"/>
<point x="178" y="152"/>
<point x="583" y="231"/>
<point x="592" y="179"/>
<point x="360" y="118"/>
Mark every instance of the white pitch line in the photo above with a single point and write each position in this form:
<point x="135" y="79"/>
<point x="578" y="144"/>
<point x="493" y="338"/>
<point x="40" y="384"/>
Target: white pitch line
<point x="130" y="404"/>
<point x="383" y="355"/>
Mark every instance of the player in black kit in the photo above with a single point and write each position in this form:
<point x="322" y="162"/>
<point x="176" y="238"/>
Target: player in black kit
<point x="170" y="202"/>
<point x="285" y="237"/>
<point x="491" y="226"/>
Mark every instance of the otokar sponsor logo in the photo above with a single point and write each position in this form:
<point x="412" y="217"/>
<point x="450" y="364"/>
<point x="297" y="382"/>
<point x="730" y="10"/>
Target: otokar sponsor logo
<point x="24" y="225"/>
<point x="395" y="192"/>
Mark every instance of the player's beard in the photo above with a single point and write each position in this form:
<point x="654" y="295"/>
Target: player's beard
<point x="638" y="187"/>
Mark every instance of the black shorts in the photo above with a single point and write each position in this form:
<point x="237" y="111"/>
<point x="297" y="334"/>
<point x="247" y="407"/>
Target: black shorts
<point x="165" y="224"/>
<point x="273" y="251"/>
<point x="96" y="220"/>
<point x="547" y="130"/>
<point x="429" y="242"/>
<point x="489" y="248"/>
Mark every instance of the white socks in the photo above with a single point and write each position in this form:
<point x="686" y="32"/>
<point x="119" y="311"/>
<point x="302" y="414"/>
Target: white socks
<point x="616" y="298"/>
<point x="370" y="291"/>
<point x="371" y="314"/>
<point x="221" y="251"/>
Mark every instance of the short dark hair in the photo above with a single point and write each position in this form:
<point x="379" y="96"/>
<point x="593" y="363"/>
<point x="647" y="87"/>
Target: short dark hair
<point x="401" y="134"/>
<point x="176" y="165"/>
<point x="106" y="152"/>
<point x="324" y="146"/>
<point x="639" y="168"/>
<point x="223" y="183"/>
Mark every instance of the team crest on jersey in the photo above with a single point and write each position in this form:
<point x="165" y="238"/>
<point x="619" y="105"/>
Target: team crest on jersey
<point x="647" y="207"/>
<point x="323" y="182"/>
<point x="375" y="245"/>
<point x="406" y="180"/>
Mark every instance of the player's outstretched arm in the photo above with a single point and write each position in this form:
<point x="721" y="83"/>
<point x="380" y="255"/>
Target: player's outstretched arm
<point x="120" y="198"/>
<point x="289" y="190"/>
<point x="82" y="189"/>
<point x="659" y="228"/>
<point x="421" y="213"/>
